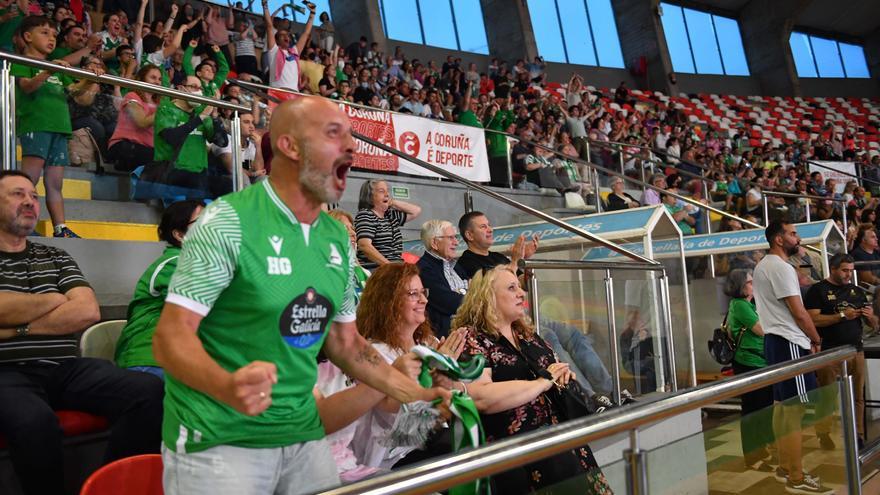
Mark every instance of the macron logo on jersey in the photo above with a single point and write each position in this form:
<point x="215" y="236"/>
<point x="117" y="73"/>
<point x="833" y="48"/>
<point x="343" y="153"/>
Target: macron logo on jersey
<point x="276" y="243"/>
<point x="278" y="265"/>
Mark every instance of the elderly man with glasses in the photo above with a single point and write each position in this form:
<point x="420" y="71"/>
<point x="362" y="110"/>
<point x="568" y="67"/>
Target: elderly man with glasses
<point x="446" y="281"/>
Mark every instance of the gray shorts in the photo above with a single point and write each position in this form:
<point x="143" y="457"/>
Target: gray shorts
<point x="299" y="468"/>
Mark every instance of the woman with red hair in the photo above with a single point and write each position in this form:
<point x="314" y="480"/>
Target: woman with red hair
<point x="392" y="315"/>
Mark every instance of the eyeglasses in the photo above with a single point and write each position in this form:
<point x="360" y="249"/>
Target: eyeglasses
<point x="414" y="294"/>
<point x="192" y="87"/>
<point x="450" y="237"/>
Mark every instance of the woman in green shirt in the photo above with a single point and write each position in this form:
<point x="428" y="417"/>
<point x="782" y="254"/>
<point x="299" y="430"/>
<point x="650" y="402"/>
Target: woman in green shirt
<point x="756" y="427"/>
<point x="134" y="349"/>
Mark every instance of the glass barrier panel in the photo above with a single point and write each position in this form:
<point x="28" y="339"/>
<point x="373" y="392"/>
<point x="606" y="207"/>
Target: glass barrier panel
<point x="740" y="453"/>
<point x="574" y="320"/>
<point x="641" y="332"/>
<point x="614" y="475"/>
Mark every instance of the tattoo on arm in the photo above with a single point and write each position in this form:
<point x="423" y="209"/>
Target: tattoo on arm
<point x="368" y="355"/>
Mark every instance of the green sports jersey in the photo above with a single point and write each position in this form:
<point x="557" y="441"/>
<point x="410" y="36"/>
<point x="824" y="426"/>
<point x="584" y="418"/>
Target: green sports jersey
<point x="135" y="344"/>
<point x="60" y="52"/>
<point x="193" y="155"/>
<point x="44" y="110"/>
<point x="211" y="87"/>
<point x="7" y="29"/>
<point x="268" y="288"/>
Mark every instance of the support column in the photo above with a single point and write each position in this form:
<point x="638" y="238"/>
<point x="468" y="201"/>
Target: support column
<point x="766" y="28"/>
<point x="359" y="18"/>
<point x="641" y="35"/>
<point x="509" y="30"/>
<point x="872" y="54"/>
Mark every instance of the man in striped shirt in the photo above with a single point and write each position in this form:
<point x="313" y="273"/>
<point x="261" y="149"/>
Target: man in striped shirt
<point x="44" y="302"/>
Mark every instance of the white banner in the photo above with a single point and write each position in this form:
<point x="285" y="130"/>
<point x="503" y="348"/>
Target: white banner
<point x="459" y="149"/>
<point x="834" y="172"/>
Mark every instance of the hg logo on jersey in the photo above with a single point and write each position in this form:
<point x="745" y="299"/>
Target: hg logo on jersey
<point x="278" y="265"/>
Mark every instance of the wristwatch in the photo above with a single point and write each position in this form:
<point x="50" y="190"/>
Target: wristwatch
<point x="22" y="330"/>
<point x="842" y="315"/>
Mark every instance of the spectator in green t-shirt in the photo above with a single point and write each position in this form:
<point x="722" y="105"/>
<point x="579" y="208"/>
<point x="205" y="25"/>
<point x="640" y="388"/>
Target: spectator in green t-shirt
<point x="211" y="74"/>
<point x="42" y="115"/>
<point x="182" y="131"/>
<point x="756" y="430"/>
<point x="11" y="15"/>
<point x="134" y="350"/>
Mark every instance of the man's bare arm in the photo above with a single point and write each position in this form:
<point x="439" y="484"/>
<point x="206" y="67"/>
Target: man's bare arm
<point x="348" y="350"/>
<point x="17" y="308"/>
<point x="80" y="311"/>
<point x="179" y="351"/>
<point x="802" y="318"/>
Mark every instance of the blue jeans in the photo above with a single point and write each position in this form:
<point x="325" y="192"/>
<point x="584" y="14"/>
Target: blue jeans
<point x="299" y="468"/>
<point x="153" y="370"/>
<point x="576" y="349"/>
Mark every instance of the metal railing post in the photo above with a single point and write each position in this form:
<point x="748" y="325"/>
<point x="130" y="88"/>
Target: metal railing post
<point x="7" y="116"/>
<point x="509" y="164"/>
<point x="596" y="189"/>
<point x="612" y="337"/>
<point x="468" y="201"/>
<point x="808" y="205"/>
<point x="850" y="433"/>
<point x="235" y="140"/>
<point x="621" y="159"/>
<point x="709" y="228"/>
<point x="642" y="171"/>
<point x="766" y="210"/>
<point x="666" y="304"/>
<point x="533" y="299"/>
<point x="845" y="226"/>
<point x="636" y="467"/>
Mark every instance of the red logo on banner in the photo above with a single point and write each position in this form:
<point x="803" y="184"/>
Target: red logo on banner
<point x="409" y="143"/>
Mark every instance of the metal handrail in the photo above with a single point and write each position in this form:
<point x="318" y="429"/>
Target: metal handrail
<point x="826" y="167"/>
<point x="120" y="81"/>
<point x="503" y="455"/>
<point x="587" y="265"/>
<point x="7" y="116"/>
<point x="469" y="184"/>
<point x="808" y="196"/>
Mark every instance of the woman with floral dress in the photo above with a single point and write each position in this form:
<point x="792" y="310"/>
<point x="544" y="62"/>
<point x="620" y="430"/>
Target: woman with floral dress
<point x="510" y="397"/>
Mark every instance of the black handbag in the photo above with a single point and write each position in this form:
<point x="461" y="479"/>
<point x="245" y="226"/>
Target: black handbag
<point x="570" y="400"/>
<point x="722" y="347"/>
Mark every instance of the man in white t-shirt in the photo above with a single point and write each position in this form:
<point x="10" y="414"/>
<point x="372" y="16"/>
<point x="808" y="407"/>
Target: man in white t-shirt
<point x="284" y="59"/>
<point x="789" y="334"/>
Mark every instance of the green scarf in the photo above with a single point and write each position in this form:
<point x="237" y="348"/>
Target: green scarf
<point x="467" y="430"/>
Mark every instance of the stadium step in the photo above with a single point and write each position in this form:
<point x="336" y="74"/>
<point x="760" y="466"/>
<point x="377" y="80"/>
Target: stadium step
<point x="110" y="220"/>
<point x="111" y="231"/>
<point x="70" y="188"/>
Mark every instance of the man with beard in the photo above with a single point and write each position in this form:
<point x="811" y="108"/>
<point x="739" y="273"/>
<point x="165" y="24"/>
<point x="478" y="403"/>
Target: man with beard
<point x="44" y="302"/>
<point x="265" y="281"/>
<point x="75" y="45"/>
<point x="789" y="334"/>
<point x="837" y="308"/>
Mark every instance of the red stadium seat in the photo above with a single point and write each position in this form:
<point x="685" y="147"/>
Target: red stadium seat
<point x="75" y="423"/>
<point x="138" y="475"/>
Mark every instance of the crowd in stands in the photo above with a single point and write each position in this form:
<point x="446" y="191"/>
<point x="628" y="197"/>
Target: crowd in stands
<point x="197" y="49"/>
